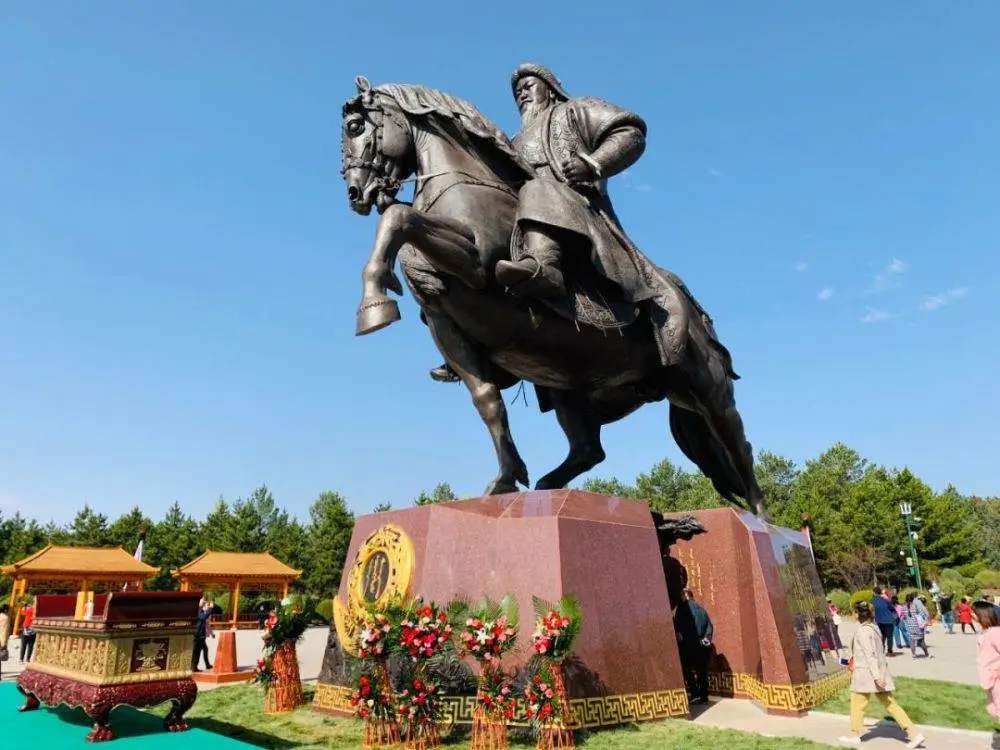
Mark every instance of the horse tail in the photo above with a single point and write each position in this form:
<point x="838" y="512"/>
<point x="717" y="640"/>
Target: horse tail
<point x="699" y="444"/>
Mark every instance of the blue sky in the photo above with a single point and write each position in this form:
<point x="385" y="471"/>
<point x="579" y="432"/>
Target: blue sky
<point x="179" y="269"/>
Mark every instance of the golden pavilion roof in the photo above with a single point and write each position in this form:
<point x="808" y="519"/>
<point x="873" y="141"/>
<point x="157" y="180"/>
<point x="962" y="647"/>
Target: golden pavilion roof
<point x="246" y="565"/>
<point x="81" y="562"/>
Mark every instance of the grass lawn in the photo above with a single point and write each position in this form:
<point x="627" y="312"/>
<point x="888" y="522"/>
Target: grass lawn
<point x="238" y="712"/>
<point x="943" y="704"/>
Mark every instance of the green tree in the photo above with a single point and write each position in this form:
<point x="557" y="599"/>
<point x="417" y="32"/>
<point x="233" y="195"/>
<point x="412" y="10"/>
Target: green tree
<point x="776" y="476"/>
<point x="171" y="543"/>
<point x="442" y="493"/>
<point x="947" y="523"/>
<point x="89" y="529"/>
<point x="382" y="507"/>
<point x="19" y="537"/>
<point x="125" y="530"/>
<point x="986" y="537"/>
<point x="611" y="486"/>
<point x="214" y="530"/>
<point x="818" y="493"/>
<point x="329" y="534"/>
<point x="668" y="488"/>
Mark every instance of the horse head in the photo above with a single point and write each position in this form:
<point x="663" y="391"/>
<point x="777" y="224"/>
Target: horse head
<point x="377" y="148"/>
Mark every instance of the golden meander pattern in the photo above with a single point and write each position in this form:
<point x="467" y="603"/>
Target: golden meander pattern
<point x="798" y="697"/>
<point x="598" y="711"/>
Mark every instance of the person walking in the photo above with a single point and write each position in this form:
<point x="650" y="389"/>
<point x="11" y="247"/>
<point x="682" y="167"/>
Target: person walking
<point x="914" y="622"/>
<point x="203" y="631"/>
<point x="837" y="620"/>
<point x="965" y="614"/>
<point x="870" y="678"/>
<point x="947" y="615"/>
<point x="694" y="632"/>
<point x="988" y="656"/>
<point x="4" y="635"/>
<point x="885" y="617"/>
<point x="900" y="636"/>
<point x="27" y="632"/>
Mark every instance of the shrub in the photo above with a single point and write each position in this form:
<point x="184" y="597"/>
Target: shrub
<point x="970" y="570"/>
<point x="841" y="600"/>
<point x="987" y="579"/>
<point x="953" y="582"/>
<point x="865" y="595"/>
<point x="325" y="609"/>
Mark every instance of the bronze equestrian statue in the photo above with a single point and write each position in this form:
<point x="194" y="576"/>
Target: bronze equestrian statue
<point x="523" y="272"/>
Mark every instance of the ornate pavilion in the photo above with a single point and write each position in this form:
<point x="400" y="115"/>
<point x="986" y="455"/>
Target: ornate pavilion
<point x="74" y="570"/>
<point x="237" y="573"/>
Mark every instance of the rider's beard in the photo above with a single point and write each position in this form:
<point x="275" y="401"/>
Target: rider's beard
<point x="531" y="111"/>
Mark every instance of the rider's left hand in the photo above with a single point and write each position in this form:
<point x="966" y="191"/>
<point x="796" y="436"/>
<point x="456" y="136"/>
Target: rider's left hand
<point x="577" y="170"/>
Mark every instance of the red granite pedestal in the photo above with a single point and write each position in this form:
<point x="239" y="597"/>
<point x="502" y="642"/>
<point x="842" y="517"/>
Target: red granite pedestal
<point x="224" y="670"/>
<point x="774" y="640"/>
<point x="603" y="550"/>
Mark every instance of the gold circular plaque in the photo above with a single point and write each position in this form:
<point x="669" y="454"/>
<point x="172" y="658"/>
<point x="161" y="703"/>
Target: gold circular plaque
<point x="382" y="570"/>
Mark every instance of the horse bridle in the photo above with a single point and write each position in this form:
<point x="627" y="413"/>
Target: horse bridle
<point x="372" y="157"/>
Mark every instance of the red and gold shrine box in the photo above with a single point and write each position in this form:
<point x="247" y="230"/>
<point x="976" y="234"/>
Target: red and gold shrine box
<point x="135" y="650"/>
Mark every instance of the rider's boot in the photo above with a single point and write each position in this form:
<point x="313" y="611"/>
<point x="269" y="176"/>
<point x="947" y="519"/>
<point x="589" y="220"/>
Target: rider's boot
<point x="444" y="374"/>
<point x="530" y="278"/>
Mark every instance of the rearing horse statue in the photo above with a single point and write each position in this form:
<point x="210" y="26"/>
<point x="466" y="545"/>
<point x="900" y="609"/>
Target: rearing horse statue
<point x="448" y="243"/>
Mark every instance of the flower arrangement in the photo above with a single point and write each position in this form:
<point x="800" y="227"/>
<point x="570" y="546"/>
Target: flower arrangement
<point x="542" y="703"/>
<point x="419" y="703"/>
<point x="496" y="696"/>
<point x="278" y="670"/>
<point x="425" y="632"/>
<point x="374" y="637"/>
<point x="370" y="700"/>
<point x="490" y="631"/>
<point x="556" y="627"/>
<point x="263" y="674"/>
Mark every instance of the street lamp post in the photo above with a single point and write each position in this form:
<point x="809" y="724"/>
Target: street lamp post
<point x="907" y="512"/>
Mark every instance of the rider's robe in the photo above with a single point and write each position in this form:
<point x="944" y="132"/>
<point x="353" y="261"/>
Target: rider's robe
<point x="613" y="138"/>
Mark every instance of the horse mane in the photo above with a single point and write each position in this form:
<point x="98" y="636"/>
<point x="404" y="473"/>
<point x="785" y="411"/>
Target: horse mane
<point x="414" y="99"/>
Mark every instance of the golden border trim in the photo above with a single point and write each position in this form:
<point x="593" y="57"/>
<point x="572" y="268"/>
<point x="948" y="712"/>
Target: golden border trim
<point x="585" y="713"/>
<point x="798" y="697"/>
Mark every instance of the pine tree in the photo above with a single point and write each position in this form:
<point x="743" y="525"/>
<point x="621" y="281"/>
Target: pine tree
<point x="214" y="530"/>
<point x="947" y="522"/>
<point x="329" y="534"/>
<point x="171" y="543"/>
<point x="89" y="529"/>
<point x="442" y="493"/>
<point x="125" y="531"/>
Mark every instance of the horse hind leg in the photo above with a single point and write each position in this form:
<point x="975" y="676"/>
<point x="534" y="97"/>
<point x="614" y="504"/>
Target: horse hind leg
<point x="474" y="370"/>
<point x="583" y="430"/>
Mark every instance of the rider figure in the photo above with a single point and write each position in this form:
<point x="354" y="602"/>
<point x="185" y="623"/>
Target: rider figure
<point x="573" y="145"/>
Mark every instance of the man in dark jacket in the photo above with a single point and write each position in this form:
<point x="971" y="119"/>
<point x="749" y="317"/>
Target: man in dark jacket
<point x="201" y="633"/>
<point x="694" y="632"/>
<point x="885" y="616"/>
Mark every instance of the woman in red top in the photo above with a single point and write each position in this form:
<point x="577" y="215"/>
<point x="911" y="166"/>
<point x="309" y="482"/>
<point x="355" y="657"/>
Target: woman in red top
<point x="965" y="615"/>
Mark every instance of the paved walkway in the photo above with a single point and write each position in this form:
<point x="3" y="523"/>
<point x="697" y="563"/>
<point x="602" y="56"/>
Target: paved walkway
<point x="818" y="726"/>
<point x="954" y="656"/>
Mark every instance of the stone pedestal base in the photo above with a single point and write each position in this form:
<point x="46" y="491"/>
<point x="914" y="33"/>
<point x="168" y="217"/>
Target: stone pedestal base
<point x="602" y="550"/>
<point x="774" y="640"/>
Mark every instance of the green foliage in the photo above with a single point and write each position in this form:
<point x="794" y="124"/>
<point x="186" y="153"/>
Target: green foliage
<point x="327" y="539"/>
<point x="864" y="595"/>
<point x="612" y="487"/>
<point x="293" y="619"/>
<point x="171" y="543"/>
<point x="669" y="488"/>
<point x="953" y="582"/>
<point x="972" y="569"/>
<point x="987" y="579"/>
<point x="442" y="493"/>
<point x="90" y="529"/>
<point x="841" y="599"/>
<point x="986" y="534"/>
<point x="382" y="507"/>
<point x="324" y="609"/>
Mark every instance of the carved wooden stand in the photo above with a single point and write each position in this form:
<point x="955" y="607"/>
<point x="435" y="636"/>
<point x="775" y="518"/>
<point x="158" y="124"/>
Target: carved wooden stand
<point x="421" y="736"/>
<point x="555" y="735"/>
<point x="285" y="693"/>
<point x="488" y="732"/>
<point x="381" y="733"/>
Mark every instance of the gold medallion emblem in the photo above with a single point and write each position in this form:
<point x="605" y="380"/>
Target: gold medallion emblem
<point x="382" y="570"/>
